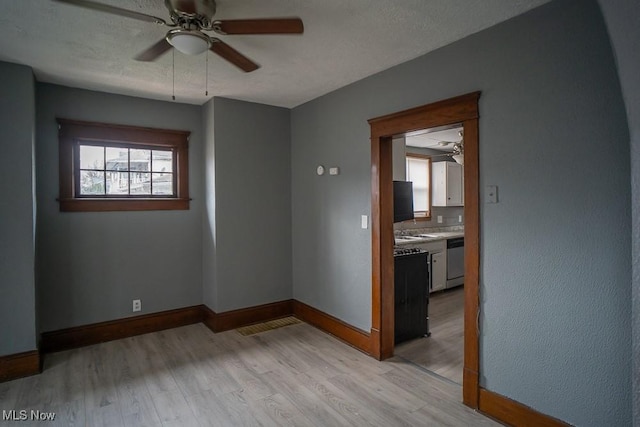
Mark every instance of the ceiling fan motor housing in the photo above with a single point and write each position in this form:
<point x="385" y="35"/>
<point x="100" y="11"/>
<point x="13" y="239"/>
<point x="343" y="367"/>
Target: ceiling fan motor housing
<point x="186" y="13"/>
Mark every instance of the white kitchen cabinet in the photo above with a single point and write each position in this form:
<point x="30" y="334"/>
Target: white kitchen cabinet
<point x="446" y="184"/>
<point x="438" y="271"/>
<point x="438" y="257"/>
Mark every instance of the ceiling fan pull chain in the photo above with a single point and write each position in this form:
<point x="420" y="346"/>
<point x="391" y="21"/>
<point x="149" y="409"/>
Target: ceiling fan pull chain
<point x="173" y="73"/>
<point x="206" y="74"/>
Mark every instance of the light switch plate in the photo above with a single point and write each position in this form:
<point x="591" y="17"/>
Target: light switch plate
<point x="491" y="193"/>
<point x="364" y="222"/>
<point x="334" y="171"/>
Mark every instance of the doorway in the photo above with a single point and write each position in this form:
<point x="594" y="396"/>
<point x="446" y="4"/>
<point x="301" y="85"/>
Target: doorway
<point x="432" y="159"/>
<point x="463" y="110"/>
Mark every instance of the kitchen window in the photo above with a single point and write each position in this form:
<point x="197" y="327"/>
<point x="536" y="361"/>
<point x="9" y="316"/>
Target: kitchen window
<point x="419" y="172"/>
<point x="105" y="167"/>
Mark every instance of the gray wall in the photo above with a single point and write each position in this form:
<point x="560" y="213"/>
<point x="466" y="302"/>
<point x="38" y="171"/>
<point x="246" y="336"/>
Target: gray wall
<point x="331" y="253"/>
<point x="622" y="17"/>
<point x="209" y="283"/>
<point x="17" y="210"/>
<point x="555" y="294"/>
<point x="91" y="265"/>
<point x="249" y="163"/>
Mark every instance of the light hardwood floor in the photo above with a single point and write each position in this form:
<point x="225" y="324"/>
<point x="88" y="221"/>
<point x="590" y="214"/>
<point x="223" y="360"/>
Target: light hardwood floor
<point x="442" y="352"/>
<point x="189" y="376"/>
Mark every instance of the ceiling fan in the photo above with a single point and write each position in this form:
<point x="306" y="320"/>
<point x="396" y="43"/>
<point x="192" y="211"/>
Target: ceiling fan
<point x="189" y="19"/>
<point x="458" y="149"/>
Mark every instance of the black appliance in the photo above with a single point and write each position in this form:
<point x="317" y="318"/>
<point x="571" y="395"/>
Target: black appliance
<point x="411" y="283"/>
<point x="402" y="200"/>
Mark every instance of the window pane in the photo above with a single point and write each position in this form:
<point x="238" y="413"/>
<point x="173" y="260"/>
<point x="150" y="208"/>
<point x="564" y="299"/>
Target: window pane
<point x="418" y="173"/>
<point x="420" y="201"/>
<point x="162" y="161"/>
<point x="140" y="160"/>
<point x="95" y="164"/>
<point x="117" y="183"/>
<point x="91" y="157"/>
<point x="91" y="182"/>
<point x="162" y="184"/>
<point x="140" y="182"/>
<point x="117" y="159"/>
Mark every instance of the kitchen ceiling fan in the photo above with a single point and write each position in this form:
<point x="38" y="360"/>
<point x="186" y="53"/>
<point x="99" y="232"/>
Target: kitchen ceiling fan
<point x="189" y="19"/>
<point x="458" y="149"/>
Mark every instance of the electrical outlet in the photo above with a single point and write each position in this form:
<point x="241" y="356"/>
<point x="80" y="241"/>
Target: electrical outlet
<point x="439" y="219"/>
<point x="137" y="305"/>
<point x="459" y="218"/>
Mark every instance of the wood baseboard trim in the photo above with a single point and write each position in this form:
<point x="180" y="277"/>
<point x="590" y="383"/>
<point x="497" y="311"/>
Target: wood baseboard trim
<point x="209" y="318"/>
<point x="219" y="322"/>
<point x="66" y="339"/>
<point x="351" y="335"/>
<point x="14" y="366"/>
<point x="514" y="413"/>
<point x="80" y="336"/>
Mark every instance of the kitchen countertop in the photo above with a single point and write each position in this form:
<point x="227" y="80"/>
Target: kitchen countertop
<point x="427" y="236"/>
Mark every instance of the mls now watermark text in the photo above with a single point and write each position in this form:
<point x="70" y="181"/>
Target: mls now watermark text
<point x="27" y="415"/>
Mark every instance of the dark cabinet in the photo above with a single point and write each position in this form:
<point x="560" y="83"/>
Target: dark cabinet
<point x="411" y="296"/>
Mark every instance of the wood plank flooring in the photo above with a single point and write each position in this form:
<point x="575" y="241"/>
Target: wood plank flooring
<point x="189" y="376"/>
<point x="442" y="352"/>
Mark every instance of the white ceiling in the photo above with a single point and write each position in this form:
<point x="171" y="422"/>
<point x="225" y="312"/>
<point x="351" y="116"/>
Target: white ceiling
<point x="344" y="41"/>
<point x="436" y="139"/>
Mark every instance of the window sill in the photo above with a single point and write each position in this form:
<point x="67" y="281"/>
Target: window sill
<point x="133" y="204"/>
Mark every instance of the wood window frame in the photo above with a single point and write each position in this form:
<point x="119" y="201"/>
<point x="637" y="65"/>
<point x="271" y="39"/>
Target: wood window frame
<point x="424" y="216"/>
<point x="73" y="132"/>
<point x="462" y="109"/>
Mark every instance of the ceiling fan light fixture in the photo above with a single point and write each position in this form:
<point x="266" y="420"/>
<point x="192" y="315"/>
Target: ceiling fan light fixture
<point x="189" y="42"/>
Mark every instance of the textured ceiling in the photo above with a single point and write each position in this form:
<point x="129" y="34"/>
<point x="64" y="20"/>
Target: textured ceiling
<point x="435" y="139"/>
<point x="344" y="41"/>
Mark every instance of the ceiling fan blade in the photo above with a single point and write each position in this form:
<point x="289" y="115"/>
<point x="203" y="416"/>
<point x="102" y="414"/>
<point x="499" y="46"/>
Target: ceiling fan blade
<point x="230" y="54"/>
<point x="154" y="51"/>
<point x="259" y="26"/>
<point x="114" y="10"/>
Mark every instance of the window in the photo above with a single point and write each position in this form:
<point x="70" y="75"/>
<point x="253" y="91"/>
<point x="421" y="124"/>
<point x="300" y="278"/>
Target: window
<point x="419" y="172"/>
<point x="106" y="167"/>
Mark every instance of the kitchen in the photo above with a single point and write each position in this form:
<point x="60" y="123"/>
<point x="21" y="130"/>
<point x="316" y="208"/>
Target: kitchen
<point x="429" y="249"/>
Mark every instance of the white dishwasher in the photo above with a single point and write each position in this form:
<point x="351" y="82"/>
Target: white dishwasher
<point x="455" y="262"/>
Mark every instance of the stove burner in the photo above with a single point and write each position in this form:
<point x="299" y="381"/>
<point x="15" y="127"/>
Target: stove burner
<point x="408" y="251"/>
